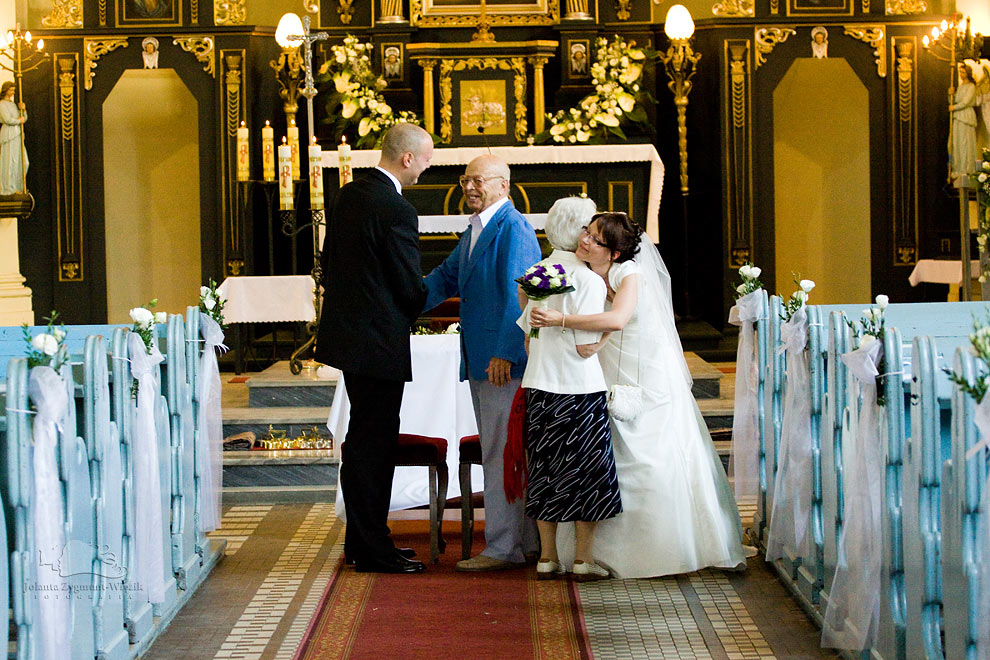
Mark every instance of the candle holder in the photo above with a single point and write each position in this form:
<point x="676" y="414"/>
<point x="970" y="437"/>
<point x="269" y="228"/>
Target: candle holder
<point x="291" y="228"/>
<point x="680" y="62"/>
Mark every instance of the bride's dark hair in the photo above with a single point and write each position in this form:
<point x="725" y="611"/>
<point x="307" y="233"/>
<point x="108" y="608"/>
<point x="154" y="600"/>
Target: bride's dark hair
<point x="619" y="233"/>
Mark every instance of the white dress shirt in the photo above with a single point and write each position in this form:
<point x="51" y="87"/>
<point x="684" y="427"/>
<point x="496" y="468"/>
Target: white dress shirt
<point x="554" y="364"/>
<point x="395" y="182"/>
<point x="480" y="220"/>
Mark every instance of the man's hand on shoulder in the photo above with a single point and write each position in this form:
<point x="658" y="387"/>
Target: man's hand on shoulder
<point x="499" y="371"/>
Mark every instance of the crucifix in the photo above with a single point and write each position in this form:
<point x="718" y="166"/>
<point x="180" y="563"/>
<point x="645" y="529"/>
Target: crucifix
<point x="309" y="91"/>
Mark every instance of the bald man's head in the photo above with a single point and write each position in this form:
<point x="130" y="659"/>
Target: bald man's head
<point x="486" y="180"/>
<point x="406" y="152"/>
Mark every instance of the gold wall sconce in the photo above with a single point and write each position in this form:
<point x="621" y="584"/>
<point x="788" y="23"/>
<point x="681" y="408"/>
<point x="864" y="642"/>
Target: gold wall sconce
<point x="289" y="65"/>
<point x="680" y="62"/>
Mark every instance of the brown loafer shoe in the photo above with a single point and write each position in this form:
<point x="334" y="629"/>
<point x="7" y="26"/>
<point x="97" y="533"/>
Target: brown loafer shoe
<point x="485" y="563"/>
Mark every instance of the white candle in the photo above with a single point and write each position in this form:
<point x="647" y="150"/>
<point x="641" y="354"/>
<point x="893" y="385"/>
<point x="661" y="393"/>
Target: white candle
<point x="285" y="177"/>
<point x="315" y="176"/>
<point x="243" y="154"/>
<point x="268" y="152"/>
<point x="293" y="133"/>
<point x="344" y="162"/>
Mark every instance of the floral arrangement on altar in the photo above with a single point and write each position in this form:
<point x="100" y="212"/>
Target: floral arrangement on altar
<point x="211" y="304"/>
<point x="979" y="341"/>
<point x="355" y="98"/>
<point x="798" y="299"/>
<point x="750" y="275"/>
<point x="618" y="99"/>
<point x="43" y="349"/>
<point x="983" y="218"/>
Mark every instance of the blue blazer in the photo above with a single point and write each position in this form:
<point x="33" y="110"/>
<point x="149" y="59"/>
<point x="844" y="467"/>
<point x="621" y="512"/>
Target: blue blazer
<point x="486" y="284"/>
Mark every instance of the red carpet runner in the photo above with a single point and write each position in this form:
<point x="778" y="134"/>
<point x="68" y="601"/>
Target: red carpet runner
<point x="444" y="615"/>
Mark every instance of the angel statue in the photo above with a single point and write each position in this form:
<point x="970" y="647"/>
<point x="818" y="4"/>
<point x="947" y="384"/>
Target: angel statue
<point x="962" y="134"/>
<point x="982" y="70"/>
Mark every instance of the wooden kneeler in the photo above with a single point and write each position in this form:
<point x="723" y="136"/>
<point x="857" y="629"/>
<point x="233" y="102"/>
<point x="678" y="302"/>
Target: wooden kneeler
<point x="470" y="454"/>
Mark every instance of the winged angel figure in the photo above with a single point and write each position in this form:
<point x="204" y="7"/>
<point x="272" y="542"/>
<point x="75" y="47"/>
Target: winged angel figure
<point x="981" y="73"/>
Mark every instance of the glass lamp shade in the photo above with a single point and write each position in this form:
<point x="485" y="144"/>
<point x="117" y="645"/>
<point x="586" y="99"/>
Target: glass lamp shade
<point x="289" y="24"/>
<point x="678" y="24"/>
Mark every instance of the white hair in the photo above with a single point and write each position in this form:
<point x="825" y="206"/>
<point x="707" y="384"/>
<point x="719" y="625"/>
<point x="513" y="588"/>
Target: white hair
<point x="565" y="220"/>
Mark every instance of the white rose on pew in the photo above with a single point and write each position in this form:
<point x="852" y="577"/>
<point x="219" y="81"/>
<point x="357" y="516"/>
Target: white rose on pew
<point x="209" y="303"/>
<point x="866" y="340"/>
<point x="161" y="317"/>
<point x="142" y="316"/>
<point x="807" y="286"/>
<point x="746" y="271"/>
<point x="801" y="295"/>
<point x="741" y="288"/>
<point x="45" y="343"/>
<point x="882" y="302"/>
<point x="59" y="334"/>
<point x="204" y="291"/>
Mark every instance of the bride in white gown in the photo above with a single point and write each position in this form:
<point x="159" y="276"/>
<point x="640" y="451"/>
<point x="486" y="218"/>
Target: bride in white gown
<point x="679" y="514"/>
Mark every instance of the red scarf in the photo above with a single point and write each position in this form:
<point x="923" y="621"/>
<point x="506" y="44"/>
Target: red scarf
<point x="514" y="459"/>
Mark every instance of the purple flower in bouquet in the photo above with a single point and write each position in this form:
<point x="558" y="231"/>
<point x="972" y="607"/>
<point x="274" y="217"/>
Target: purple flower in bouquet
<point x="540" y="282"/>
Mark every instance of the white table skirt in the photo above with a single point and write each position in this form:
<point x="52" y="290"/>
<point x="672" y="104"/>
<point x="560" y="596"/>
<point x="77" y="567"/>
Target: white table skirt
<point x="543" y="155"/>
<point x="941" y="271"/>
<point x="449" y="224"/>
<point x="268" y="299"/>
<point x="436" y="403"/>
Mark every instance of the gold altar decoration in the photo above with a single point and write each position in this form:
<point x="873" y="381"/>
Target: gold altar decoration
<point x="202" y="48"/>
<point x="194" y="11"/>
<point x="483" y="107"/>
<point x="428" y="66"/>
<point x="680" y="62"/>
<point x="289" y="65"/>
<point x="102" y="10"/>
<point x="738" y="165"/>
<point x="391" y="12"/>
<point x="346" y="10"/>
<point x="622" y="8"/>
<point x="905" y="7"/>
<point x="429" y="13"/>
<point x="876" y="37"/>
<point x="67" y="166"/>
<point x="577" y="10"/>
<point x="231" y="62"/>
<point x="732" y="8"/>
<point x="65" y="14"/>
<point x="766" y="39"/>
<point x="774" y="6"/>
<point x="229" y="12"/>
<point x="448" y="67"/>
<point x="93" y="50"/>
<point x="905" y="154"/>
<point x="482" y="33"/>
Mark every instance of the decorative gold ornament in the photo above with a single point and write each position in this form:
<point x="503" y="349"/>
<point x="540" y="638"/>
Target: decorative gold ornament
<point x="734" y="8"/>
<point x="229" y="12"/>
<point x="774" y="6"/>
<point x="65" y="14"/>
<point x="448" y="67"/>
<point x="622" y="8"/>
<point x="194" y="11"/>
<point x="103" y="12"/>
<point x="905" y="7"/>
<point x="288" y="72"/>
<point x="537" y="12"/>
<point x="539" y="102"/>
<point x="93" y="50"/>
<point x="766" y="39"/>
<point x="71" y="271"/>
<point x="391" y="12"/>
<point x="876" y="37"/>
<point x="66" y="97"/>
<point x="904" y="165"/>
<point x="577" y="10"/>
<point x="866" y="6"/>
<point x="67" y="169"/>
<point x="738" y="166"/>
<point x="346" y="10"/>
<point x="312" y="6"/>
<point x="905" y="79"/>
<point x="482" y="32"/>
<point x="428" y="110"/>
<point x="202" y="48"/>
<point x="235" y="266"/>
<point x="680" y="62"/>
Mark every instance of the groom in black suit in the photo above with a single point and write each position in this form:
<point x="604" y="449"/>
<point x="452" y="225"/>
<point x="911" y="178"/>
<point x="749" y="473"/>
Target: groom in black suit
<point x="374" y="291"/>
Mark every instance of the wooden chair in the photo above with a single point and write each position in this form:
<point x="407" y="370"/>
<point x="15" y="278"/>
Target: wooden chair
<point x="470" y="454"/>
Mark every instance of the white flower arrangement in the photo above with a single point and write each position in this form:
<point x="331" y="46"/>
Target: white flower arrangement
<point x="355" y="98"/>
<point x="618" y="98"/>
<point x="750" y="275"/>
<point x="798" y="299"/>
<point x="43" y="349"/>
<point x="211" y="303"/>
<point x="979" y="341"/>
<point x="144" y="321"/>
<point x="873" y="328"/>
<point x="983" y="217"/>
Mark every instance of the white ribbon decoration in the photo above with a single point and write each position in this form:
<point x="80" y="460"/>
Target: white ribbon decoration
<point x="149" y="555"/>
<point x="209" y="442"/>
<point x="853" y="612"/>
<point x="981" y="419"/>
<point x="744" y="458"/>
<point x="47" y="391"/>
<point x="792" y="492"/>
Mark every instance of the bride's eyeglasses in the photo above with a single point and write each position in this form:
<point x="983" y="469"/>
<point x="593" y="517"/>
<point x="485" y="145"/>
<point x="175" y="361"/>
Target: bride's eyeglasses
<point x="598" y="241"/>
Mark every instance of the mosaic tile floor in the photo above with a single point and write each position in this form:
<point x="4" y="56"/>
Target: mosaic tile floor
<point x="257" y="603"/>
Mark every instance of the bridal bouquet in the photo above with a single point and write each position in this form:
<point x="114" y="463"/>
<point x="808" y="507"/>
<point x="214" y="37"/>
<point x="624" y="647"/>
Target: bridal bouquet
<point x="211" y="304"/>
<point x="43" y="349"/>
<point x="541" y="281"/>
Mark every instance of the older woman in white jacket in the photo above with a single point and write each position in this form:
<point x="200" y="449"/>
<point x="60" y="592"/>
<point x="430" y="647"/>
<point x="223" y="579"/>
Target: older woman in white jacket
<point x="571" y="466"/>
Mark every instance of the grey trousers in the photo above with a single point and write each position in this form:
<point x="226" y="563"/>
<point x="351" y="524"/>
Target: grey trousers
<point x="509" y="534"/>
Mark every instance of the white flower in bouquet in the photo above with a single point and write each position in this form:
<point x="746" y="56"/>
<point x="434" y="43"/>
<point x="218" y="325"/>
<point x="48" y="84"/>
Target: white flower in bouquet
<point x="741" y="288"/>
<point x="866" y="340"/>
<point x="142" y="316"/>
<point x="801" y="296"/>
<point x="453" y="329"/>
<point x="45" y="343"/>
<point x="209" y="303"/>
<point x="882" y="302"/>
<point x="161" y="317"/>
<point x="982" y="177"/>
<point x="806" y="285"/>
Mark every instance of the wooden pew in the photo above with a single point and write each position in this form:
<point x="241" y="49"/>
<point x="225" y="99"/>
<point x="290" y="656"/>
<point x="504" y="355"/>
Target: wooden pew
<point x="761" y="518"/>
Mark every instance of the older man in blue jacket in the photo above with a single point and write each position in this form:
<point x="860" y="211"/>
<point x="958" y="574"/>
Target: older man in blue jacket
<point x="498" y="246"/>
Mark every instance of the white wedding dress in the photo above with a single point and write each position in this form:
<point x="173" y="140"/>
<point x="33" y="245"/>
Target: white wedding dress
<point x="678" y="511"/>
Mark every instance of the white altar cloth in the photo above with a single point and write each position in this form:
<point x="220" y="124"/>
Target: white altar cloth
<point x="941" y="271"/>
<point x="436" y="403"/>
<point x="450" y="224"/>
<point x="268" y="299"/>
<point x="549" y="155"/>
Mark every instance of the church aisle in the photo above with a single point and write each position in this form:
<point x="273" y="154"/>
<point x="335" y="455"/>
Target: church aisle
<point x="260" y="599"/>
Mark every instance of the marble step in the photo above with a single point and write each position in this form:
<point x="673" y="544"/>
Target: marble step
<point x="294" y="420"/>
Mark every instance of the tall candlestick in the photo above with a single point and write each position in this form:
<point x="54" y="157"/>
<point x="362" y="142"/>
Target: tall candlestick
<point x="243" y="154"/>
<point x="315" y="176"/>
<point x="344" y="162"/>
<point x="293" y="133"/>
<point x="284" y="177"/>
<point x="268" y="152"/>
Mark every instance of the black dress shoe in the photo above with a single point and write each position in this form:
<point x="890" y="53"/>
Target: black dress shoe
<point x="395" y="564"/>
<point x="405" y="553"/>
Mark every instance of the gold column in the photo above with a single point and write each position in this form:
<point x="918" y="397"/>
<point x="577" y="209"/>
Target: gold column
<point x="539" y="102"/>
<point x="428" y="110"/>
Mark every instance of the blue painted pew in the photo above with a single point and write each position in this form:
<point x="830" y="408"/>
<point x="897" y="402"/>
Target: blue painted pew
<point x="761" y="517"/>
<point x="773" y="402"/>
<point x="963" y="483"/>
<point x="12" y="343"/>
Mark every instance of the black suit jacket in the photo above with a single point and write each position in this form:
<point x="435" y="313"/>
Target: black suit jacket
<point x="372" y="280"/>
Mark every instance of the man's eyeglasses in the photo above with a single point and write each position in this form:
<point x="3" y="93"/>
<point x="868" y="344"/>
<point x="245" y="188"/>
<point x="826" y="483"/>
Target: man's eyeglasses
<point x="586" y="232"/>
<point x="478" y="181"/>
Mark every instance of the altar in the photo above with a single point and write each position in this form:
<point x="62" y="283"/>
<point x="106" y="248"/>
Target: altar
<point x="564" y="177"/>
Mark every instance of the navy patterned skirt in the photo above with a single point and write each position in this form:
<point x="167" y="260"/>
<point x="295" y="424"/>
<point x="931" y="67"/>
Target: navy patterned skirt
<point x="571" y="465"/>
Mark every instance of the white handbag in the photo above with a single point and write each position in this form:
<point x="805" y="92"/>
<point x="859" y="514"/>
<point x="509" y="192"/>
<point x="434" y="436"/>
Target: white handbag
<point x="625" y="402"/>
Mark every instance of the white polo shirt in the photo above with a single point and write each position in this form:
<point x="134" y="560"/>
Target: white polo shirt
<point x="554" y="364"/>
